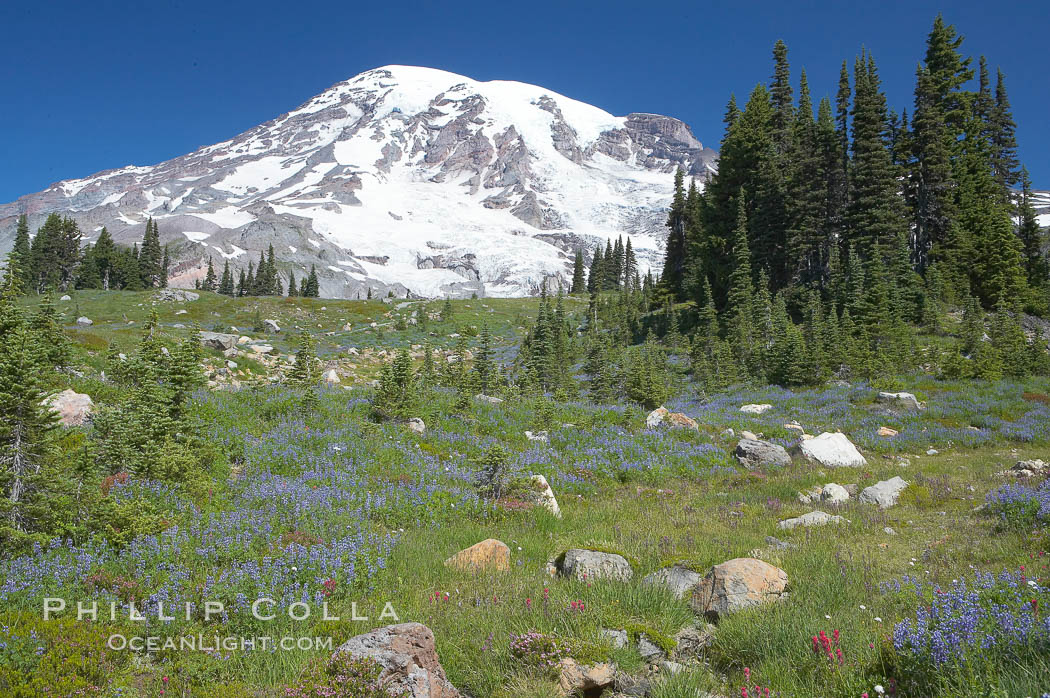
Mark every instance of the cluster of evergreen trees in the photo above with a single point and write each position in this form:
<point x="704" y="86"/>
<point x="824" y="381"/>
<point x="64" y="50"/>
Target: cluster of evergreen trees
<point x="53" y="259"/>
<point x="259" y="280"/>
<point x="825" y="239"/>
<point x="50" y="486"/>
<point x="611" y="270"/>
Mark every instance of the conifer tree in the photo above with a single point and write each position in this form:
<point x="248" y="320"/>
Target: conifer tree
<point x="740" y="302"/>
<point x="484" y="366"/>
<point x="1003" y="138"/>
<point x="226" y="283"/>
<point x="293" y="289"/>
<point x="579" y="284"/>
<point x="674" y="254"/>
<point x="1031" y="236"/>
<point x="22" y="249"/>
<point x="597" y="273"/>
<point x="209" y="283"/>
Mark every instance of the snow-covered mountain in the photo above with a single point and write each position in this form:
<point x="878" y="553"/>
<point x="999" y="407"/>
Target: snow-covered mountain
<point x="405" y="179"/>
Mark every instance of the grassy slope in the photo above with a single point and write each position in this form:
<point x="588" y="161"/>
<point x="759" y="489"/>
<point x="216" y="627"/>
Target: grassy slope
<point x="698" y="515"/>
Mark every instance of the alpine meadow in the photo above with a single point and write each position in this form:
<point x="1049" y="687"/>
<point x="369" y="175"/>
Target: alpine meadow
<point x="436" y="387"/>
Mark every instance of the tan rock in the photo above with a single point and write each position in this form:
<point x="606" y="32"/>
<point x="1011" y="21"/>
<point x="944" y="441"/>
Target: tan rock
<point x="489" y="555"/>
<point x="409" y="660"/>
<point x="677" y="420"/>
<point x="738" y="584"/>
<point x="886" y="431"/>
<point x="574" y="679"/>
<point x="74" y="409"/>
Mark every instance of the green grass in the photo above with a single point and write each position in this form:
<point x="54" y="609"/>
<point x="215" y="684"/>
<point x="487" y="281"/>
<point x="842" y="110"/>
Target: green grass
<point x="686" y="509"/>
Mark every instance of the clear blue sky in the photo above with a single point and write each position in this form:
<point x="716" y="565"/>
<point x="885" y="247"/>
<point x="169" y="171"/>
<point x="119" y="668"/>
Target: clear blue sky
<point x="89" y="86"/>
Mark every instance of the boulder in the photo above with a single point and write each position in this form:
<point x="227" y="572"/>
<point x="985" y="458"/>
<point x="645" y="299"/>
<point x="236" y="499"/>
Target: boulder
<point x="884" y="494"/>
<point x="679" y="580"/>
<point x="661" y="416"/>
<point x="74" y="409"/>
<point x="84" y="322"/>
<point x="753" y="453"/>
<point x="244" y="339"/>
<point x="543" y="496"/>
<point x="813" y="518"/>
<point x="593" y="565"/>
<point x="487" y="556"/>
<point x="331" y="377"/>
<point x="903" y="400"/>
<point x="537" y="436"/>
<point x="886" y="431"/>
<point x="756" y="409"/>
<point x="738" y="584"/>
<point x="65" y="298"/>
<point x="832" y="450"/>
<point x="481" y="397"/>
<point x="416" y="424"/>
<point x="218" y="340"/>
<point x="261" y="348"/>
<point x="577" y="680"/>
<point x="272" y="325"/>
<point x="409" y="660"/>
<point x="656" y="417"/>
<point x="1026" y="468"/>
<point x="834" y="494"/>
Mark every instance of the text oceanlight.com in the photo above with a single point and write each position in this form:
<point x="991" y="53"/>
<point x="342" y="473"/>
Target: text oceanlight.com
<point x="217" y="643"/>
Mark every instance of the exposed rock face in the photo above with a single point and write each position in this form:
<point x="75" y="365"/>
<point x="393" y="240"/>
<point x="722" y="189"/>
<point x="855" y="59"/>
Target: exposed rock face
<point x="884" y="494"/>
<point x="738" y="584"/>
<point x="408" y="657"/>
<point x="592" y="565"/>
<point x="493" y="171"/>
<point x="753" y="453"/>
<point x="218" y="340"/>
<point x="487" y="556"/>
<point x="74" y="409"/>
<point x="832" y="450"/>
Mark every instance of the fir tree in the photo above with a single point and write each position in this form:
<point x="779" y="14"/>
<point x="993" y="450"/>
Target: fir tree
<point x="484" y="365"/>
<point x="226" y="284"/>
<point x="674" y="254"/>
<point x="209" y="283"/>
<point x="579" y="285"/>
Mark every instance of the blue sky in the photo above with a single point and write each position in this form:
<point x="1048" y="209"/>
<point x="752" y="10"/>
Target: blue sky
<point x="92" y="86"/>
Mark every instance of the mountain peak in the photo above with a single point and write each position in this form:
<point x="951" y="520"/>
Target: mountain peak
<point x="402" y="178"/>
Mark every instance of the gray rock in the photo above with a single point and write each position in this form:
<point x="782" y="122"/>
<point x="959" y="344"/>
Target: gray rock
<point x="756" y="454"/>
<point x="617" y="638"/>
<point x="65" y="298"/>
<point x="648" y="650"/>
<point x="884" y="494"/>
<point x="832" y="450"/>
<point x="408" y="658"/>
<point x="756" y="409"/>
<point x="691" y="642"/>
<point x="537" y="436"/>
<point x="543" y="496"/>
<point x="679" y="580"/>
<point x="834" y="494"/>
<point x="218" y="340"/>
<point x="272" y="325"/>
<point x="778" y="544"/>
<point x="84" y="322"/>
<point x="813" y="518"/>
<point x="889" y="531"/>
<point x="904" y="400"/>
<point x="481" y="397"/>
<point x="739" y="583"/>
<point x="416" y="424"/>
<point x="671" y="668"/>
<point x="592" y="565"/>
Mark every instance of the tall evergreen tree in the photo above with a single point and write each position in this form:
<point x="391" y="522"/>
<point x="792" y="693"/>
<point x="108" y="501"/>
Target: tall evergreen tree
<point x="674" y="254"/>
<point x="209" y="283"/>
<point x="579" y="284"/>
